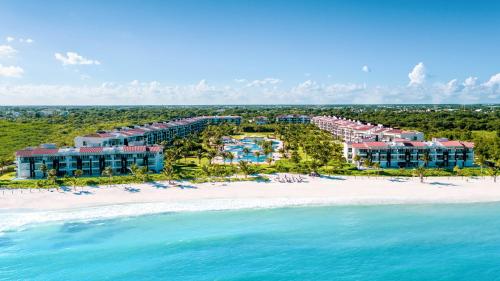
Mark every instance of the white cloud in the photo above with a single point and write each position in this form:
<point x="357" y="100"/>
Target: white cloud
<point x="418" y="75"/>
<point x="366" y="68"/>
<point x="202" y="92"/>
<point x="7" y="51"/>
<point x="10" y="39"/>
<point x="453" y="86"/>
<point x="29" y="41"/>
<point x="11" y="71"/>
<point x="264" y="82"/>
<point x="494" y="81"/>
<point x="72" y="58"/>
<point x="470" y="81"/>
<point x="240" y="80"/>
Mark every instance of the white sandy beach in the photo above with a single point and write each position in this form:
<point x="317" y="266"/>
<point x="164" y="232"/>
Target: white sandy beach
<point x="334" y="190"/>
<point x="20" y="209"/>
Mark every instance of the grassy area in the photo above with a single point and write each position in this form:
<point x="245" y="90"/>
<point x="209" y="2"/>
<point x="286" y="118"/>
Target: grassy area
<point x="8" y="176"/>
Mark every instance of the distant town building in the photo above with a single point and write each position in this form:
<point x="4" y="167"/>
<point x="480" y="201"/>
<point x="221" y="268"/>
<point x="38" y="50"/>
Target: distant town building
<point x="293" y="119"/>
<point x="261" y="120"/>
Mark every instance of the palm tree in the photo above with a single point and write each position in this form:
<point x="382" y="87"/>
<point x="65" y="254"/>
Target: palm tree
<point x="144" y="174"/>
<point x="376" y="166"/>
<point x="282" y="151"/>
<point x="199" y="155"/>
<point x="52" y="176"/>
<point x="482" y="161"/>
<point x="357" y="159"/>
<point x="245" y="168"/>
<point x="493" y="171"/>
<point x="269" y="160"/>
<point x="420" y="172"/>
<point x="108" y="172"/>
<point x="206" y="170"/>
<point x="230" y="156"/>
<point x="211" y="155"/>
<point x="224" y="156"/>
<point x="77" y="173"/>
<point x="295" y="157"/>
<point x="43" y="168"/>
<point x="134" y="169"/>
<point x="168" y="171"/>
<point x="257" y="155"/>
<point x="426" y="158"/>
<point x="246" y="151"/>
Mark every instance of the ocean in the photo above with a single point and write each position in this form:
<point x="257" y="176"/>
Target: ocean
<point x="386" y="242"/>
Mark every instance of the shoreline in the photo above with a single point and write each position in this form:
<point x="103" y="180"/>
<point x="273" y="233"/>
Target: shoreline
<point x="94" y="203"/>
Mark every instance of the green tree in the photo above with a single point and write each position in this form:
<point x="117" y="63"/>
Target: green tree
<point x="493" y="171"/>
<point x="76" y="174"/>
<point x="457" y="170"/>
<point x="246" y="151"/>
<point x="230" y="156"/>
<point x="199" y="155"/>
<point x="211" y="154"/>
<point x="43" y="168"/>
<point x="420" y="172"/>
<point x="168" y="171"/>
<point x="206" y="170"/>
<point x="245" y="168"/>
<point x="257" y="154"/>
<point x="295" y="157"/>
<point x="108" y="172"/>
<point x="52" y="176"/>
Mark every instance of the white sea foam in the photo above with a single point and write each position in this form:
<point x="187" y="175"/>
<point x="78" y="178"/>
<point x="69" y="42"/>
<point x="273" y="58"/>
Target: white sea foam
<point x="18" y="220"/>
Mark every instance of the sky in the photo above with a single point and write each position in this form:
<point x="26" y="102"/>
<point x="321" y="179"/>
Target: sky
<point x="249" y="52"/>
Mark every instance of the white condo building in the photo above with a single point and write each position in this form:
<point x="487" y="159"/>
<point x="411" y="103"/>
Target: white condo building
<point x="118" y="149"/>
<point x="395" y="148"/>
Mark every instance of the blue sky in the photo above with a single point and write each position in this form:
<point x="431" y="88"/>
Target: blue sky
<point x="205" y="52"/>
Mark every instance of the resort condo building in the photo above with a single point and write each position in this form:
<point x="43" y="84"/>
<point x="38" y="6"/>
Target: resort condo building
<point x="118" y="149"/>
<point x="355" y="131"/>
<point x="293" y="119"/>
<point x="153" y="133"/>
<point x="395" y="148"/>
<point x="402" y="153"/>
<point x="91" y="160"/>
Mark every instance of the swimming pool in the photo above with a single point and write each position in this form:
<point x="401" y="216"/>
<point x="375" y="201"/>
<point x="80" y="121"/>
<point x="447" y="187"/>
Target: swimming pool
<point x="252" y="143"/>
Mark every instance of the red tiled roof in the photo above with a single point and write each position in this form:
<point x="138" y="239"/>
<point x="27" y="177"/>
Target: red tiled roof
<point x="416" y="143"/>
<point x="468" y="144"/>
<point x="358" y="145"/>
<point x="139" y="148"/>
<point x="375" y="144"/>
<point x="37" y="151"/>
<point x="91" y="149"/>
<point x="369" y="144"/>
<point x="450" y="143"/>
<point x="363" y="128"/>
<point x="155" y="148"/>
<point x="394" y="131"/>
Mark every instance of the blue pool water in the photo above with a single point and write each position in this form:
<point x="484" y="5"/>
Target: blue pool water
<point x="426" y="242"/>
<point x="252" y="144"/>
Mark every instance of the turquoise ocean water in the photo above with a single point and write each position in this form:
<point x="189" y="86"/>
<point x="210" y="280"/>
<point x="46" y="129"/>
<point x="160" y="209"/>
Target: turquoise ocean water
<point x="419" y="242"/>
